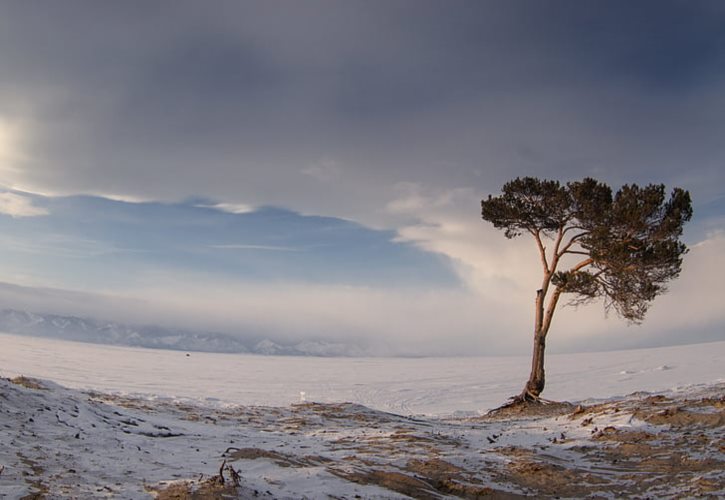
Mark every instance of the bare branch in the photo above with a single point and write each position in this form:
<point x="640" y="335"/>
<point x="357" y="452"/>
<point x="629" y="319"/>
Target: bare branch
<point x="557" y="244"/>
<point x="574" y="252"/>
<point x="236" y="478"/>
<point x="581" y="265"/>
<point x="542" y="251"/>
<point x="573" y="240"/>
<point x="573" y="227"/>
<point x="550" y="308"/>
<point x="221" y="471"/>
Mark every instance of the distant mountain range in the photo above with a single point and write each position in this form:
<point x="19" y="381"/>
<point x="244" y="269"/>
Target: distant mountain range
<point x="155" y="337"/>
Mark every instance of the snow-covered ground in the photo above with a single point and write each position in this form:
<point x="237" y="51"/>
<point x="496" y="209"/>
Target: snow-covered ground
<point x="423" y="386"/>
<point x="164" y="424"/>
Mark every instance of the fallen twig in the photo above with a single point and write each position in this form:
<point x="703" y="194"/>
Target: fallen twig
<point x="236" y="478"/>
<point x="221" y="471"/>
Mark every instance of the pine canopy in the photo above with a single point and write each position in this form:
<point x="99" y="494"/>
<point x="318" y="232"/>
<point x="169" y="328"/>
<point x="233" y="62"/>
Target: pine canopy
<point x="628" y="242"/>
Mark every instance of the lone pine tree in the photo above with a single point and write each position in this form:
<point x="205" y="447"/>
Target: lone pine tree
<point x="623" y="248"/>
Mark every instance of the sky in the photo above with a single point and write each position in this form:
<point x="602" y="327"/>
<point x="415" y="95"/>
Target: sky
<point x="314" y="169"/>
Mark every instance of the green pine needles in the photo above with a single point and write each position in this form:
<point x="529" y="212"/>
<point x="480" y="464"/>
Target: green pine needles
<point x="622" y="247"/>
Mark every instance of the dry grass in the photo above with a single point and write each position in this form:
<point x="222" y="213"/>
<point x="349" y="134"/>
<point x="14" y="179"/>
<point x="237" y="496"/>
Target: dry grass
<point x="29" y="383"/>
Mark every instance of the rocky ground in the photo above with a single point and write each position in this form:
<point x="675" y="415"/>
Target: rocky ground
<point x="63" y="443"/>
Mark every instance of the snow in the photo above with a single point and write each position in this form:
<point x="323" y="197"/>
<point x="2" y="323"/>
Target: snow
<point x="188" y="413"/>
<point x="421" y="386"/>
<point x="92" y="449"/>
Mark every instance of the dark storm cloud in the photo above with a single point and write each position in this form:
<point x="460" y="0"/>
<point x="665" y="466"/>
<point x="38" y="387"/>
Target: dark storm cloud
<point x="234" y="100"/>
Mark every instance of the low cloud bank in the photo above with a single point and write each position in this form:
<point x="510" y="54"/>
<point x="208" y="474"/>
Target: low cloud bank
<point x="403" y="322"/>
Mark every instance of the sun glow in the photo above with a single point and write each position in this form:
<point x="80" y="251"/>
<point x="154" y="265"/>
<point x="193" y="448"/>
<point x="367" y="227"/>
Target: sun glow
<point x="11" y="157"/>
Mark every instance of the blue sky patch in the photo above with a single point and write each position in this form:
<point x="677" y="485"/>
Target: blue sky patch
<point x="119" y="239"/>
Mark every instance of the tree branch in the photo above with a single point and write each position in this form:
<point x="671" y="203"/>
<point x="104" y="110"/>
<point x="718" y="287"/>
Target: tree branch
<point x="555" y="258"/>
<point x="542" y="251"/>
<point x="581" y="265"/>
<point x="574" y="252"/>
<point x="599" y="273"/>
<point x="550" y="308"/>
<point x="574" y="239"/>
<point x="557" y="244"/>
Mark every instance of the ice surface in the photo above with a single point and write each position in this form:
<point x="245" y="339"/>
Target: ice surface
<point x="67" y="443"/>
<point x="427" y="386"/>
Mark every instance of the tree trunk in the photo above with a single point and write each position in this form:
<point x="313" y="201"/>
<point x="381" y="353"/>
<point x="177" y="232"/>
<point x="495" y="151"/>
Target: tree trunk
<point x="535" y="385"/>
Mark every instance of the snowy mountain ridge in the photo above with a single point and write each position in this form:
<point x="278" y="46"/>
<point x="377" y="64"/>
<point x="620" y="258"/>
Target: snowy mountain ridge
<point x="96" y="331"/>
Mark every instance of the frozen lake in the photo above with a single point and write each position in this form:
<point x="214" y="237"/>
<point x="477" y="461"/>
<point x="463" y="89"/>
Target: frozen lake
<point x="431" y="386"/>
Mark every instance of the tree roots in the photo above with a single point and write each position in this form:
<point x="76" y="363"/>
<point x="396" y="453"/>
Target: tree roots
<point x="525" y="404"/>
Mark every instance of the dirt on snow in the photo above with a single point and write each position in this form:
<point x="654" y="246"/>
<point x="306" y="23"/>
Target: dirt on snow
<point x="639" y="446"/>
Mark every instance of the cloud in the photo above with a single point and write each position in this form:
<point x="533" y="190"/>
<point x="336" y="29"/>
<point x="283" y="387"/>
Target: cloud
<point x="241" y="246"/>
<point x="59" y="246"/>
<point x="94" y="242"/>
<point x="415" y="322"/>
<point x="324" y="171"/>
<point x="397" y="116"/>
<point x="16" y="205"/>
<point x="232" y="208"/>
<point x="122" y="198"/>
<point x="691" y="311"/>
<point x="255" y="106"/>
<point x="410" y="321"/>
<point x="507" y="273"/>
<point x="491" y="315"/>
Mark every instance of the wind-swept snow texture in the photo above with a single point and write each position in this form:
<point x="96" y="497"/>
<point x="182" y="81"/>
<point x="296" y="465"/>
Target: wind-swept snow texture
<point x="62" y="443"/>
<point x="426" y="437"/>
